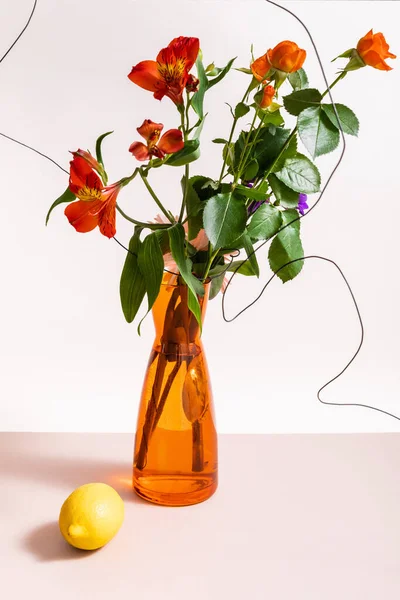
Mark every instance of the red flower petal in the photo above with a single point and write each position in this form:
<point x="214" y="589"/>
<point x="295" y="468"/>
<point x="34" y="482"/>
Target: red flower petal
<point x="107" y="217"/>
<point x="83" y="215"/>
<point x="171" y="141"/>
<point x="187" y="48"/>
<point x="139" y="151"/>
<point x="148" y="128"/>
<point x="90" y="159"/>
<point x="146" y="75"/>
<point x="81" y="175"/>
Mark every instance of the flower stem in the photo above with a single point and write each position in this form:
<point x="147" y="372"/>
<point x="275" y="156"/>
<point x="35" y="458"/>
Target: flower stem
<point x="235" y="120"/>
<point x="155" y="198"/>
<point x="185" y="129"/>
<point x="211" y="255"/>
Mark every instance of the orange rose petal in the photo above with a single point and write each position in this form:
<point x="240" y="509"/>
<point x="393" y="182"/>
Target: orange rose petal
<point x="260" y="67"/>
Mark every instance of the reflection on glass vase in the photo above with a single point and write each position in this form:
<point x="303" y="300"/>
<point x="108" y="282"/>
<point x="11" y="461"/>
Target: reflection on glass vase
<point x="175" y="459"/>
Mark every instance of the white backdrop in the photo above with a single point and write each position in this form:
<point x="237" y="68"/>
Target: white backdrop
<point x="69" y="362"/>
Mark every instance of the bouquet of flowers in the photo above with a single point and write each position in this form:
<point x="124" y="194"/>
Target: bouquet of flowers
<point x="264" y="181"/>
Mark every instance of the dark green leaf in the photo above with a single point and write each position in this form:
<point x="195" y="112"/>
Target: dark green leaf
<point x="269" y="146"/>
<point x="298" y="101"/>
<point x="287" y="246"/>
<point x="298" y="80"/>
<point x="67" y="196"/>
<point x="317" y="132"/>
<point x="251" y="170"/>
<point x="151" y="265"/>
<point x="285" y="196"/>
<point x="132" y="286"/>
<point x="265" y="222"/>
<point x="251" y="256"/>
<point x="348" y="119"/>
<point x="215" y="287"/>
<point x="189" y="153"/>
<point x="99" y="141"/>
<point x="241" y="109"/>
<point x="194" y="207"/>
<point x="195" y="288"/>
<point x="300" y="174"/>
<point x="224" y="219"/>
<point x="220" y="141"/>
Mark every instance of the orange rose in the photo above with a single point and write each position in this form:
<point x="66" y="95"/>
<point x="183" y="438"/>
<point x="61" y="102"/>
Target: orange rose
<point x="267" y="96"/>
<point x="373" y="49"/>
<point x="286" y="57"/>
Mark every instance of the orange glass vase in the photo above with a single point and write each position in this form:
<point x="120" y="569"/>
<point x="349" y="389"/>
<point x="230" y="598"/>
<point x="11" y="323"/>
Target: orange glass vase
<point x="175" y="459"/>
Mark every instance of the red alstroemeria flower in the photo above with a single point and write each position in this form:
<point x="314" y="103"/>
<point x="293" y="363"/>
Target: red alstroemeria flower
<point x="171" y="141"/>
<point x="168" y="74"/>
<point x="96" y="203"/>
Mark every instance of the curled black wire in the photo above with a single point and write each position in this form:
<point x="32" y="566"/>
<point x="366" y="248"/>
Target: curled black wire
<point x="314" y="256"/>
<point x="237" y="251"/>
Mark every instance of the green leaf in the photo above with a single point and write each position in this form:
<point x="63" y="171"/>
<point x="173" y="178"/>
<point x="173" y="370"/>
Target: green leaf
<point x="251" y="256"/>
<point x="98" y="146"/>
<point x="251" y="170"/>
<point x="267" y="148"/>
<point x="298" y="80"/>
<point x="224" y="219"/>
<point x="274" y="118"/>
<point x="194" y="207"/>
<point x="221" y="74"/>
<point x="215" y="287"/>
<point x="298" y="101"/>
<point x="197" y="100"/>
<point x="205" y="84"/>
<point x="219" y="141"/>
<point x="189" y="153"/>
<point x="241" y="109"/>
<point x="287" y="246"/>
<point x="244" y="70"/>
<point x="67" y="196"/>
<point x="151" y="265"/>
<point x="265" y="222"/>
<point x="253" y="194"/>
<point x="240" y="266"/>
<point x="195" y="288"/>
<point x="300" y="174"/>
<point x="317" y="132"/>
<point x="284" y="195"/>
<point x="350" y="123"/>
<point x="132" y="286"/>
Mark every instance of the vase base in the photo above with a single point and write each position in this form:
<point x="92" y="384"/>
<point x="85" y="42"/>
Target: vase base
<point x="175" y="490"/>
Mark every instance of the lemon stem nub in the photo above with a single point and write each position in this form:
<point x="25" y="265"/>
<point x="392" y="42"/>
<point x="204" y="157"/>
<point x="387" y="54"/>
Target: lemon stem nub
<point x="77" y="531"/>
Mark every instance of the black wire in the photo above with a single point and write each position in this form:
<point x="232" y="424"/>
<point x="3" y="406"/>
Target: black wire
<point x="21" y="33"/>
<point x="258" y="248"/>
<point x="315" y="256"/>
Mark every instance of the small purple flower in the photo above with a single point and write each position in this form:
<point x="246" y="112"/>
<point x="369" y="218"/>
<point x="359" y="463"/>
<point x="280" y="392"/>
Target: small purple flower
<point x="253" y="206"/>
<point x="302" y="205"/>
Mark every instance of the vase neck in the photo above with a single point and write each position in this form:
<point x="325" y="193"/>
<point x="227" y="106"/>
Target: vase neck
<point x="175" y="325"/>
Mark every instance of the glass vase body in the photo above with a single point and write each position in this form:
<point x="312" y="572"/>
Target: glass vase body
<point x="175" y="457"/>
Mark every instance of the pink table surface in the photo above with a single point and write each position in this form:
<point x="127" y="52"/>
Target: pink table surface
<point x="313" y="517"/>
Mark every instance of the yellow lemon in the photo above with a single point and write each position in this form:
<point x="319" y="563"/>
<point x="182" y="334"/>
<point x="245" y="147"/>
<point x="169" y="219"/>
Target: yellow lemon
<point x="91" y="516"/>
